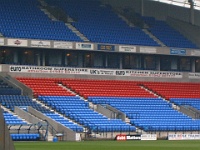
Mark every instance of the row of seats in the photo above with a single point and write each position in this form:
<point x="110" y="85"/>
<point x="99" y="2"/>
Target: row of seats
<point x="195" y="103"/>
<point x="168" y="35"/>
<point x="100" y="24"/>
<point x="25" y="137"/>
<point x="23" y="19"/>
<point x="85" y="116"/>
<point x="10" y="119"/>
<point x="141" y="110"/>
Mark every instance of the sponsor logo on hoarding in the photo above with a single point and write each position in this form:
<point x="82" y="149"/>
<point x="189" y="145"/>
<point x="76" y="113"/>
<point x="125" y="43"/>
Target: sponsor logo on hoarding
<point x="84" y="46"/>
<point x="148" y="50"/>
<point x="127" y="49"/>
<point x="177" y="51"/>
<point x="17" y="42"/>
<point x="63" y="45"/>
<point x="43" y="44"/>
<point x="106" y="47"/>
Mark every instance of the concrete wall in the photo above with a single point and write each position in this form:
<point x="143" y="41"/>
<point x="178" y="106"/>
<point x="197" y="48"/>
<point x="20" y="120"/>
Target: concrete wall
<point x="156" y="9"/>
<point x="6" y="142"/>
<point x="190" y="111"/>
<point x="105" y="111"/>
<point x="27" y="116"/>
<point x="69" y="135"/>
<point x="190" y="31"/>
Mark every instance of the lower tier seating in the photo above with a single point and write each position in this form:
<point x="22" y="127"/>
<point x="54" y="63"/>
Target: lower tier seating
<point x="187" y="102"/>
<point x="65" y="122"/>
<point x="150" y="114"/>
<point x="13" y="120"/>
<point x="25" y="137"/>
<point x="78" y="110"/>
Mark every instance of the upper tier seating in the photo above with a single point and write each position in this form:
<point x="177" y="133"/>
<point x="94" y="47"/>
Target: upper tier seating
<point x="100" y="24"/>
<point x="23" y="19"/>
<point x="168" y="35"/>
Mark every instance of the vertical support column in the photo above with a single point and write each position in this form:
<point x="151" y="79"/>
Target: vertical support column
<point x="191" y="2"/>
<point x="142" y="7"/>
<point x="43" y="58"/>
<point x="120" y="62"/>
<point x="6" y="142"/>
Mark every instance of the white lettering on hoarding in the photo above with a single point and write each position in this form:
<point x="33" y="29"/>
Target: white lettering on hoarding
<point x="184" y="137"/>
<point x="194" y="75"/>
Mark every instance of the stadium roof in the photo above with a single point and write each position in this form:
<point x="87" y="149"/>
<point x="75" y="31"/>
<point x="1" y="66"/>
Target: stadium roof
<point x="182" y="3"/>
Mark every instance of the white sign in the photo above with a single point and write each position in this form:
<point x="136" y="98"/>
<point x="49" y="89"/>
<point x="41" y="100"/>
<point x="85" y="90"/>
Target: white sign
<point x="0" y="68"/>
<point x="93" y="71"/>
<point x="17" y="42"/>
<point x="85" y="46"/>
<point x="78" y="137"/>
<point x="46" y="69"/>
<point x="194" y="75"/>
<point x="2" y="41"/>
<point x="184" y="137"/>
<point x="148" y="137"/>
<point x="148" y="50"/>
<point x="195" y="53"/>
<point x="102" y="72"/>
<point x="127" y="49"/>
<point x="63" y="45"/>
<point x="154" y="74"/>
<point x="43" y="44"/>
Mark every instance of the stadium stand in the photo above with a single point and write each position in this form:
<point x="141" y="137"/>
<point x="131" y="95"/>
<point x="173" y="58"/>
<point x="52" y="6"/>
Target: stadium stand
<point x="138" y="100"/>
<point x="168" y="35"/>
<point x="23" y="19"/>
<point x="13" y="120"/>
<point x="100" y="24"/>
<point x="78" y="110"/>
<point x="5" y="89"/>
<point x="25" y="137"/>
<point x="193" y="102"/>
<point x="75" y="108"/>
<point x="169" y="90"/>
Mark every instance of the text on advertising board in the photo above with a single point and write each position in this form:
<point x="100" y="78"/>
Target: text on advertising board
<point x="90" y="71"/>
<point x="127" y="49"/>
<point x="106" y="47"/>
<point x="84" y="46"/>
<point x="177" y="51"/>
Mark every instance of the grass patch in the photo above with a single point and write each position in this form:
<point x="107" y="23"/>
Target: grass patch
<point x="110" y="145"/>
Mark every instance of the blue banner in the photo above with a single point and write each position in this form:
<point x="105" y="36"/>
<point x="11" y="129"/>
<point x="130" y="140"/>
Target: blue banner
<point x="106" y="47"/>
<point x="177" y="51"/>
